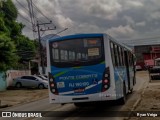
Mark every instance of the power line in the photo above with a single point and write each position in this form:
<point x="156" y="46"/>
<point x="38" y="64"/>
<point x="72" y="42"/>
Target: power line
<point x="24" y="18"/>
<point x="40" y="11"/>
<point x="58" y="33"/>
<point x="28" y="27"/>
<point x="22" y="5"/>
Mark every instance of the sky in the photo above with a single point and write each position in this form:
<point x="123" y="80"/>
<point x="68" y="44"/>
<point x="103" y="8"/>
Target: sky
<point x="122" y="19"/>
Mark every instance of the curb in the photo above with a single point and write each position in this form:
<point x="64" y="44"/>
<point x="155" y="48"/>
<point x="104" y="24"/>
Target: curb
<point x="4" y="106"/>
<point x="137" y="102"/>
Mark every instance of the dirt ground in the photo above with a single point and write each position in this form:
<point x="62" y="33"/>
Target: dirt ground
<point x="150" y="102"/>
<point x="14" y="97"/>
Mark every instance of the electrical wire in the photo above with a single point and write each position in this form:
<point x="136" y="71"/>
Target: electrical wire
<point x="24" y="18"/>
<point x="40" y="11"/>
<point x="26" y="8"/>
<point x="22" y="5"/>
<point x="58" y="33"/>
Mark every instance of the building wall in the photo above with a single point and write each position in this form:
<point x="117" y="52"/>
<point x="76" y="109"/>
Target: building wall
<point x="146" y="52"/>
<point x="3" y="83"/>
<point x="11" y="74"/>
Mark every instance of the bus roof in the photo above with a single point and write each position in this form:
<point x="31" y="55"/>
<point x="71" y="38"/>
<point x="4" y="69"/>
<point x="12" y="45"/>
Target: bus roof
<point x="77" y="36"/>
<point x="89" y="35"/>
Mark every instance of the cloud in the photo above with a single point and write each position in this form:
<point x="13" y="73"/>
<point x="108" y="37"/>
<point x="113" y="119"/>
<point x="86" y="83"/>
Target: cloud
<point x="156" y="15"/>
<point x="141" y="24"/>
<point x="129" y="20"/>
<point x="105" y="9"/>
<point x="135" y="3"/>
<point x="123" y="31"/>
<point x="63" y="21"/>
<point x="121" y="18"/>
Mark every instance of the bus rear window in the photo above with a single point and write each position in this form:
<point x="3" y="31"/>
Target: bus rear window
<point x="75" y="52"/>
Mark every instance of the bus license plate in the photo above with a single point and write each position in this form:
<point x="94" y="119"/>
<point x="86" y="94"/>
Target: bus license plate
<point x="79" y="90"/>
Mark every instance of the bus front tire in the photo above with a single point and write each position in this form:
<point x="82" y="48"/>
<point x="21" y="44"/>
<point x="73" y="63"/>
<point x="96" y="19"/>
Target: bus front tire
<point x="79" y="104"/>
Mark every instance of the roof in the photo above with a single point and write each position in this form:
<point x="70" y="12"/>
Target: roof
<point x="77" y="36"/>
<point x="90" y="35"/>
<point x="140" y="42"/>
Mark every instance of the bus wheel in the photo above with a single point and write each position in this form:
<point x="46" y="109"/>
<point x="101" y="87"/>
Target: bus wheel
<point x="122" y="100"/>
<point x="79" y="104"/>
<point x="131" y="91"/>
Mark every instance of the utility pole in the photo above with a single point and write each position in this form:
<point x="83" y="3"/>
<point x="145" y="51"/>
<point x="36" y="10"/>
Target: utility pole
<point x="40" y="44"/>
<point x="32" y="16"/>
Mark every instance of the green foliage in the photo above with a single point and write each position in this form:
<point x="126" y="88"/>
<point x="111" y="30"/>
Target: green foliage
<point x="26" y="48"/>
<point x="14" y="47"/>
<point x="2" y="25"/>
<point x="8" y="57"/>
<point x="16" y="29"/>
<point x="10" y="10"/>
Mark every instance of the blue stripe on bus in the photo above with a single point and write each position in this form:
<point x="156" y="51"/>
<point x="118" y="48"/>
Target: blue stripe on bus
<point x="76" y="36"/>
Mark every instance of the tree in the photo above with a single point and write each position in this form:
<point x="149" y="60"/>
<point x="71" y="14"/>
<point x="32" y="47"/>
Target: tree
<point x="14" y="46"/>
<point x="10" y="10"/>
<point x="26" y="48"/>
<point x="8" y="57"/>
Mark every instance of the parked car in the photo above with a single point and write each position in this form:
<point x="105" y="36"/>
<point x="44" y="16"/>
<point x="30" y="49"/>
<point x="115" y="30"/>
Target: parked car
<point x="138" y="67"/>
<point x="43" y="77"/>
<point x="30" y="81"/>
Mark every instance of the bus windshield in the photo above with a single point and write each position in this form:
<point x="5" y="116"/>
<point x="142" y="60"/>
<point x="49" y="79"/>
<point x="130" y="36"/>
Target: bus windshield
<point x="76" y="52"/>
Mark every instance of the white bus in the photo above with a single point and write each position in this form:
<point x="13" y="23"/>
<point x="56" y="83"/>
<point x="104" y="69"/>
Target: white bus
<point x="88" y="68"/>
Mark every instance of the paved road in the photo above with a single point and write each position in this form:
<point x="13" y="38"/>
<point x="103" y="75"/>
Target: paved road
<point x="70" y="112"/>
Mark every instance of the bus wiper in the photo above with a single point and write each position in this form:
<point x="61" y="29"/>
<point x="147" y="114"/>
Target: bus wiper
<point x="80" y="61"/>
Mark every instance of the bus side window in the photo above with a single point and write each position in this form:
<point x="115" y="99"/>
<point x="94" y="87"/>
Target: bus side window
<point x="116" y="55"/>
<point x="119" y="56"/>
<point x="122" y="56"/>
<point x="112" y="53"/>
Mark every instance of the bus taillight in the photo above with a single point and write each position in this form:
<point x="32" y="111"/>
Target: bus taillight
<point x="106" y="80"/>
<point x="53" y="87"/>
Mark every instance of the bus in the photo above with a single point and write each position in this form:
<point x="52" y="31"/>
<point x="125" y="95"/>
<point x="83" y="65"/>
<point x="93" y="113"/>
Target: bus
<point x="84" y="68"/>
